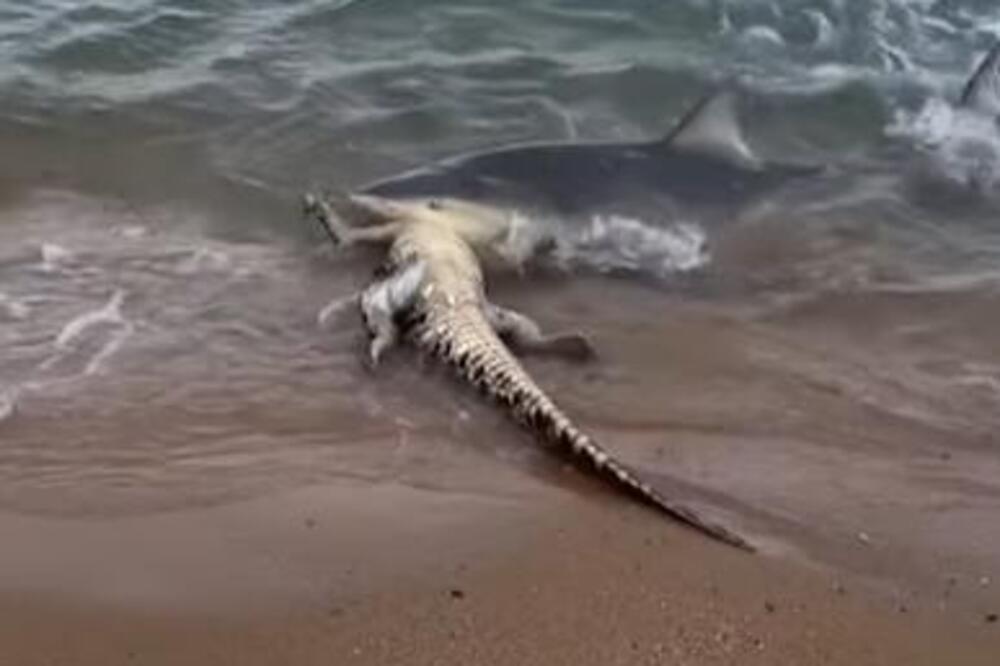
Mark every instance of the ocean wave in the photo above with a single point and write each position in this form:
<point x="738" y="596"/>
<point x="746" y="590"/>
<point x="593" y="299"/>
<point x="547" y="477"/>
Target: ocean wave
<point x="13" y="308"/>
<point x="54" y="257"/>
<point x="85" y="343"/>
<point x="614" y="243"/>
<point x="109" y="313"/>
<point x="963" y="144"/>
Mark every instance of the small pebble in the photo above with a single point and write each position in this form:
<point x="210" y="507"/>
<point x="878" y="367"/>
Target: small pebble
<point x="769" y="607"/>
<point x="864" y="538"/>
<point x="457" y="594"/>
<point x="991" y="618"/>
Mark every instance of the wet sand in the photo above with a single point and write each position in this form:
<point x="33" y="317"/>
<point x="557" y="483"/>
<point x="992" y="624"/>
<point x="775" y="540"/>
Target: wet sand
<point x="572" y="581"/>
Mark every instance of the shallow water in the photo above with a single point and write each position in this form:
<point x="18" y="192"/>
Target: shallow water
<point x="824" y="367"/>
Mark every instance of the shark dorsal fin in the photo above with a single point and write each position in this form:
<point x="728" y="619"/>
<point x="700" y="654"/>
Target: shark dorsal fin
<point x="982" y="92"/>
<point x="711" y="127"/>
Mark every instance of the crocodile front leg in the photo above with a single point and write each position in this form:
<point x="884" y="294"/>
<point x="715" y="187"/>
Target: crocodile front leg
<point x="383" y="301"/>
<point x="340" y="232"/>
<point x="525" y="335"/>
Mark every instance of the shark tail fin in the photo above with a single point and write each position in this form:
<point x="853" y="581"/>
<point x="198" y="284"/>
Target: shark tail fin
<point x="711" y="127"/>
<point x="982" y="92"/>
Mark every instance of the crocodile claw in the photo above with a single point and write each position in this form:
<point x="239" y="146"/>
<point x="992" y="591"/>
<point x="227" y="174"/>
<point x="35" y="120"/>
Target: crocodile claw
<point x="316" y="208"/>
<point x="575" y="346"/>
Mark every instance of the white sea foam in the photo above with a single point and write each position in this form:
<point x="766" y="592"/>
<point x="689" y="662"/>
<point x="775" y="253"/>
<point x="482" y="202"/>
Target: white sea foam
<point x="826" y="34"/>
<point x="133" y="232"/>
<point x="8" y="404"/>
<point x="965" y="143"/>
<point x="523" y="239"/>
<point x="75" y="346"/>
<point x="894" y="58"/>
<point x="110" y="348"/>
<point x="762" y="36"/>
<point x="110" y="312"/>
<point x="929" y="126"/>
<point x="939" y="24"/>
<point x="205" y="259"/>
<point x="981" y="380"/>
<point x="54" y="256"/>
<point x="615" y="243"/>
<point x="12" y="308"/>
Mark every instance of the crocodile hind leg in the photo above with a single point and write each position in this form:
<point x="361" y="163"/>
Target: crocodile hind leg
<point x="383" y="301"/>
<point x="525" y="336"/>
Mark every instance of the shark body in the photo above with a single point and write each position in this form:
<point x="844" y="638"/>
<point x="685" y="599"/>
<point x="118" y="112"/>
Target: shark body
<point x="702" y="171"/>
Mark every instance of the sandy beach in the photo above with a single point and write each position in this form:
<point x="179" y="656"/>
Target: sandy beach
<point x="583" y="580"/>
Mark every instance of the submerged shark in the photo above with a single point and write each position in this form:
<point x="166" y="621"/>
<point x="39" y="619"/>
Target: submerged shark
<point x="701" y="171"/>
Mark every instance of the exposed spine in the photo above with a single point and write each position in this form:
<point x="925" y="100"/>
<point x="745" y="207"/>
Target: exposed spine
<point x="464" y="339"/>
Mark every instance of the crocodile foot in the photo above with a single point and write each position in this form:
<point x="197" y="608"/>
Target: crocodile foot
<point x="573" y="346"/>
<point x="317" y="208"/>
<point x="526" y="337"/>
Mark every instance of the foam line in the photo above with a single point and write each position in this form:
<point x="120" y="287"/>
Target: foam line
<point x="110" y="312"/>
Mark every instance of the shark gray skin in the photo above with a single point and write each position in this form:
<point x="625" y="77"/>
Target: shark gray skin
<point x="701" y="171"/>
<point x="982" y="91"/>
<point x="431" y="292"/>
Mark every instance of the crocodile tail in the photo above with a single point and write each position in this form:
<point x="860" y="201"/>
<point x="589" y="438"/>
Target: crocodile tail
<point x="560" y="429"/>
<point x="471" y="347"/>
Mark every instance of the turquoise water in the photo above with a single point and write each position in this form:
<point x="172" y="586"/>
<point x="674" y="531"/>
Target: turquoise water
<point x="241" y="105"/>
<point x="272" y="95"/>
<point x="159" y="296"/>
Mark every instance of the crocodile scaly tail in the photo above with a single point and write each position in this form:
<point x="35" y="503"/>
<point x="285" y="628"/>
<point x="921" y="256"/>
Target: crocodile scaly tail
<point x="464" y="339"/>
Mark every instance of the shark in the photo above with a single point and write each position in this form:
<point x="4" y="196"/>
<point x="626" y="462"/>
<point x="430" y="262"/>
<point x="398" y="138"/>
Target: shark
<point x="702" y="171"/>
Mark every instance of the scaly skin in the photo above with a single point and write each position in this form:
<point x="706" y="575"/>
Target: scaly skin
<point x="434" y="290"/>
<point x="463" y="338"/>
